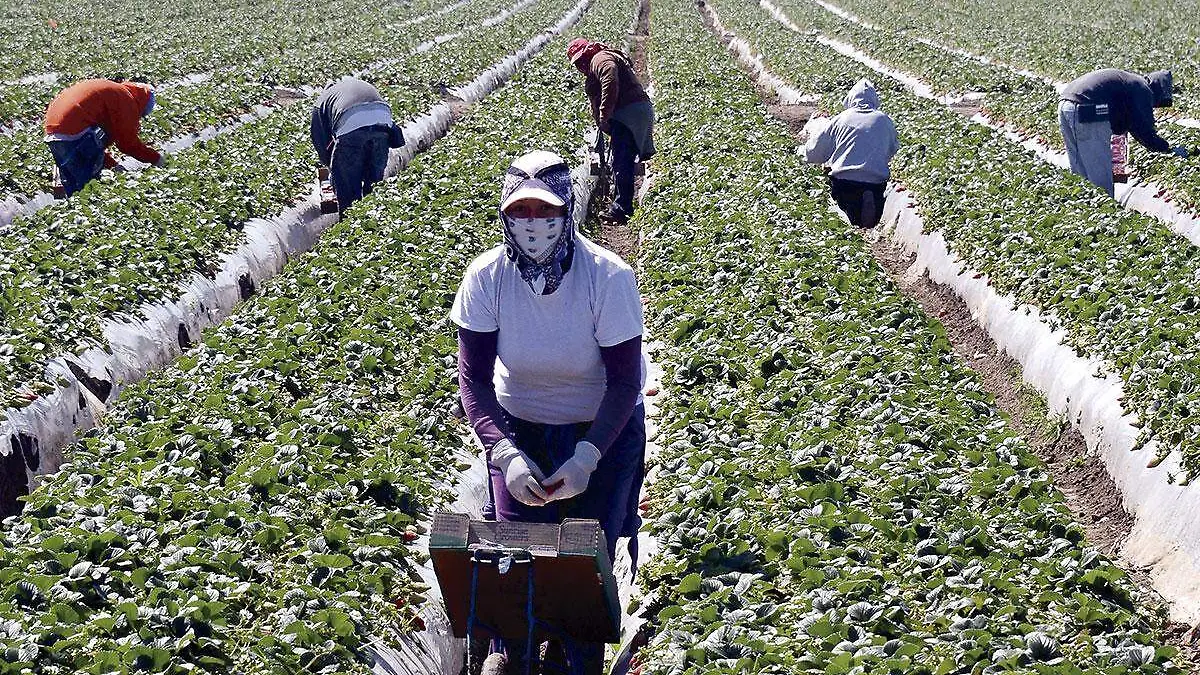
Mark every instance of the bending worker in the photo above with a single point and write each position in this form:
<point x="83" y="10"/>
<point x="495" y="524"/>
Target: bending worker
<point x="88" y="116"/>
<point x="352" y="130"/>
<point x="1111" y="102"/>
<point x="621" y="109"/>
<point x="857" y="144"/>
<point x="550" y="368"/>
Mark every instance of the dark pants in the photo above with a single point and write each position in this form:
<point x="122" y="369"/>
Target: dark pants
<point x="612" y="494"/>
<point x="358" y="162"/>
<point x="624" y="155"/>
<point x="79" y="160"/>
<point x="861" y="202"/>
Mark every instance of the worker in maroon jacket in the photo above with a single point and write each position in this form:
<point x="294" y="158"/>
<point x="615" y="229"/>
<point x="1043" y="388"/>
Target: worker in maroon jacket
<point x="85" y="118"/>
<point x="621" y="109"/>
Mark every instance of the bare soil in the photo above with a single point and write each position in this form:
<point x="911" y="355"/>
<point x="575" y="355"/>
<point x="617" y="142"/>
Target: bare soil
<point x="794" y="116"/>
<point x="638" y="48"/>
<point x="284" y="96"/>
<point x="967" y="109"/>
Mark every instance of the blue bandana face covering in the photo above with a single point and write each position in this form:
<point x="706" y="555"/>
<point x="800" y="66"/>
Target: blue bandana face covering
<point x="539" y="245"/>
<point x="536" y="237"/>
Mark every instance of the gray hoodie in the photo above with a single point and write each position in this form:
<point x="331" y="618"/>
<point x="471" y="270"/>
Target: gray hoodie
<point x="859" y="142"/>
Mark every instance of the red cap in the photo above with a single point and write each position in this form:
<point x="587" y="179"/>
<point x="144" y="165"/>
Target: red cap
<point x="576" y="48"/>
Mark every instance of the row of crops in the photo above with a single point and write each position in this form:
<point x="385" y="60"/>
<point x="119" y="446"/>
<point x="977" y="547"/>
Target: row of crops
<point x="129" y="241"/>
<point x="252" y="508"/>
<point x="1121" y="285"/>
<point x="1054" y="39"/>
<point x="168" y="41"/>
<point x="837" y="493"/>
<point x="1026" y="104"/>
<point x="237" y="76"/>
<point x="193" y="50"/>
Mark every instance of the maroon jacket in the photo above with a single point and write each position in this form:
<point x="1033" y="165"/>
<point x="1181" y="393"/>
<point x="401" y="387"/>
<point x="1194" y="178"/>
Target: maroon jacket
<point x="611" y="85"/>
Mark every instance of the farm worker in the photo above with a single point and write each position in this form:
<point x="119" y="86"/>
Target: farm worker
<point x="88" y="116"/>
<point x="1109" y="102"/>
<point x="857" y="145"/>
<point x="352" y="130"/>
<point x="550" y="367"/>
<point x="621" y="109"/>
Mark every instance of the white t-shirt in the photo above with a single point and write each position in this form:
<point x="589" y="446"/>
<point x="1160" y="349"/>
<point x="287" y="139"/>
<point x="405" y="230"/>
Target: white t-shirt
<point x="548" y="368"/>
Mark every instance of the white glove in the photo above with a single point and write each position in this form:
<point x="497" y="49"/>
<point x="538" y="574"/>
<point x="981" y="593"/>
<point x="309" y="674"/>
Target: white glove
<point x="572" y="477"/>
<point x="520" y="474"/>
<point x="1179" y="151"/>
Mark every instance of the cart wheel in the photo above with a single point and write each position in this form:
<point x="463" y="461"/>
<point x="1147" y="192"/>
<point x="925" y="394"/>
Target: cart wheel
<point x="495" y="664"/>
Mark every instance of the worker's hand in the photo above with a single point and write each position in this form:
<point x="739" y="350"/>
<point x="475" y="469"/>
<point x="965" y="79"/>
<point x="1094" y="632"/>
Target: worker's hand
<point x="119" y="168"/>
<point x="162" y="161"/>
<point x="572" y="477"/>
<point x="1179" y="151"/>
<point x="521" y="475"/>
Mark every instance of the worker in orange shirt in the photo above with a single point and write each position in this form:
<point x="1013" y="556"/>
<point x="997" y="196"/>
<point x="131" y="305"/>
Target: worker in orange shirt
<point x="85" y="118"/>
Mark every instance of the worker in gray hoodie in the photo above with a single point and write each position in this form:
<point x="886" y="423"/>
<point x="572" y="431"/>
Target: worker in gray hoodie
<point x="352" y="130"/>
<point x="857" y="145"/>
<point x="1110" y="102"/>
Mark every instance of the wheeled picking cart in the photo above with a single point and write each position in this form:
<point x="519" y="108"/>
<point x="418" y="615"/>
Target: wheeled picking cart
<point x="526" y="583"/>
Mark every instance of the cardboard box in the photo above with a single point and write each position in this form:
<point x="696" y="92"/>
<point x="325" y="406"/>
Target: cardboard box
<point x="574" y="590"/>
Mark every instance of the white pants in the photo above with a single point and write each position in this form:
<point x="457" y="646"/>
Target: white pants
<point x="1089" y="146"/>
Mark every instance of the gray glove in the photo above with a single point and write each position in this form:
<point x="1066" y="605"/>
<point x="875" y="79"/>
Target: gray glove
<point x="1179" y="151"/>
<point x="162" y="161"/>
<point x="572" y="477"/>
<point x="521" y="475"/>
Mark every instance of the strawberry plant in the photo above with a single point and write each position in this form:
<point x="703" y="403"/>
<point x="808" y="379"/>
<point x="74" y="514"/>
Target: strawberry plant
<point x="251" y="509"/>
<point x="1116" y="281"/>
<point x="129" y="240"/>
<point x="837" y="492"/>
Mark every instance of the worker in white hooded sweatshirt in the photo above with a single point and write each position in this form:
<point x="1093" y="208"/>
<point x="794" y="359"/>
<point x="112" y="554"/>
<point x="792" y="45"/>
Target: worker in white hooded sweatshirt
<point x="857" y="145"/>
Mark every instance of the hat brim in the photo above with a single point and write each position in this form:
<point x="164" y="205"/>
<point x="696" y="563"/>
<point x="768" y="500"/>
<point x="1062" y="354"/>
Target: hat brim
<point x="578" y="55"/>
<point x="540" y="194"/>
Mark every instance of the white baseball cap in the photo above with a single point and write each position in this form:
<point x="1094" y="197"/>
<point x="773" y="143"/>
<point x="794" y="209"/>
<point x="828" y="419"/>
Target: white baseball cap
<point x="532" y="188"/>
<point x="530" y="166"/>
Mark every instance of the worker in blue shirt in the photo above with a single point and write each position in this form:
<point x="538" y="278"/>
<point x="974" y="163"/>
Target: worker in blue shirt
<point x="1109" y="102"/>
<point x="352" y="131"/>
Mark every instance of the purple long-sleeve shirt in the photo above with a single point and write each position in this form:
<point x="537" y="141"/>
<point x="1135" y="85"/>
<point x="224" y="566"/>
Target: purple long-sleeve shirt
<point x="476" y="366"/>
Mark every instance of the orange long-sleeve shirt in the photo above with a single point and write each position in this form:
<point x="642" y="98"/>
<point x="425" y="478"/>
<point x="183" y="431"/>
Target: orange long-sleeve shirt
<point x="115" y="107"/>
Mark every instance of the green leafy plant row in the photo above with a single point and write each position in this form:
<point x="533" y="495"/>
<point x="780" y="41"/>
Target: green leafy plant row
<point x="837" y="492"/>
<point x="160" y="42"/>
<point x="251" y="509"/>
<point x="1060" y="41"/>
<point x="238" y="85"/>
<point x="129" y="240"/>
<point x="1120" y="284"/>
<point x="1026" y="105"/>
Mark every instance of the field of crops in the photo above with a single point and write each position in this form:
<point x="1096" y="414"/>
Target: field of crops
<point x="835" y="489"/>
